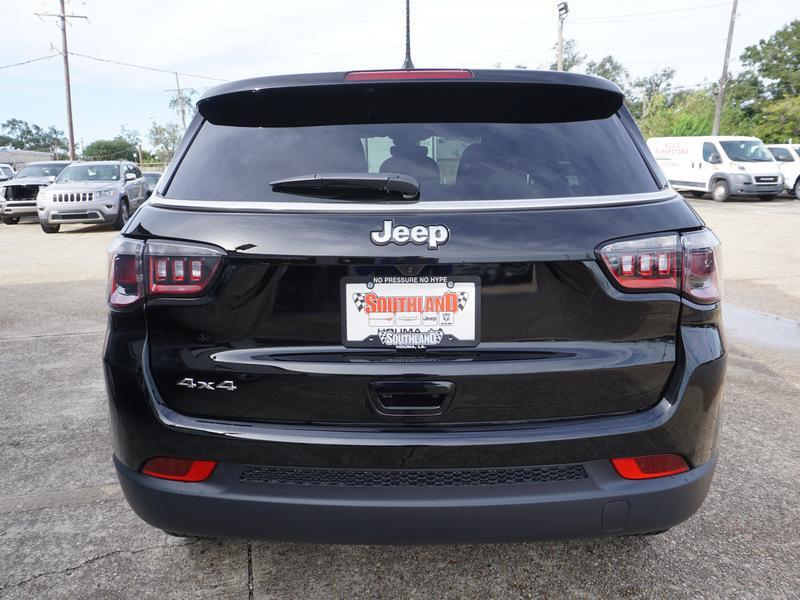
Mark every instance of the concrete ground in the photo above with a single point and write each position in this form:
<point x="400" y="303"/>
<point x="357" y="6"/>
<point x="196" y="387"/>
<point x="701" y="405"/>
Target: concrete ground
<point x="66" y="532"/>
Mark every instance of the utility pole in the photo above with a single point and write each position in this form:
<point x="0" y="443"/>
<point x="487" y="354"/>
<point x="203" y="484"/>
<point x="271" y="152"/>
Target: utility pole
<point x="407" y="64"/>
<point x="67" y="86"/>
<point x="723" y="80"/>
<point x="180" y="100"/>
<point x="563" y="11"/>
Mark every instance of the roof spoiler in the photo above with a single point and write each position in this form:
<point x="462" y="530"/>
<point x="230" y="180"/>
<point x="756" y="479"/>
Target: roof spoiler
<point x="556" y="99"/>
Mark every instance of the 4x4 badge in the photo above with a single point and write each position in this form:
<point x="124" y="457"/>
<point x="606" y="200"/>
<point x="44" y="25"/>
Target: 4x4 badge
<point x="431" y="235"/>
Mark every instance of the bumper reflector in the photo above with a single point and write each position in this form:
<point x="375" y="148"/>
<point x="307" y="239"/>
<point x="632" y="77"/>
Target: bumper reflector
<point x="650" y="467"/>
<point x="179" y="469"/>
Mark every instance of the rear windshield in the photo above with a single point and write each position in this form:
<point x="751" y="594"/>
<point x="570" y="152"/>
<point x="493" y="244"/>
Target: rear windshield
<point x="451" y="161"/>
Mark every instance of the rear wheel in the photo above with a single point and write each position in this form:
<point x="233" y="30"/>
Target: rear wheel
<point x="47" y="228"/>
<point x="10" y="220"/>
<point x="698" y="194"/>
<point x="768" y="197"/>
<point x="720" y="191"/>
<point x="122" y="216"/>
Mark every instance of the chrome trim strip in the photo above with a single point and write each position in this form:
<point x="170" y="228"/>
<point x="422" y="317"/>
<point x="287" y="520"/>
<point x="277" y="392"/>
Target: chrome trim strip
<point x="376" y="436"/>
<point x="418" y="207"/>
<point x="572" y="357"/>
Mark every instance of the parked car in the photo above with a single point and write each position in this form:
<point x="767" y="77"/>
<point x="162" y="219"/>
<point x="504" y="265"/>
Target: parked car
<point x="6" y="172"/>
<point x="152" y="180"/>
<point x="18" y="194"/>
<point x="725" y="166"/>
<point x="92" y="192"/>
<point x="788" y="158"/>
<point x="316" y="336"/>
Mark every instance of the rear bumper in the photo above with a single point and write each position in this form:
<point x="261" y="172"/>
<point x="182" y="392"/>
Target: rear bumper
<point x="600" y="504"/>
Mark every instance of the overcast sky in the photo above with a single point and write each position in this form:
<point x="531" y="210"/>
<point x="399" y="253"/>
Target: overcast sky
<point x="245" y="38"/>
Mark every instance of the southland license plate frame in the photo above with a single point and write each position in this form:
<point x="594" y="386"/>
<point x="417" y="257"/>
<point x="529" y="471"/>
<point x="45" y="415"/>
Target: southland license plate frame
<point x="411" y="312"/>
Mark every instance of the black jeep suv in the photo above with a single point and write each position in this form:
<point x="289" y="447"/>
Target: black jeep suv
<point x="414" y="306"/>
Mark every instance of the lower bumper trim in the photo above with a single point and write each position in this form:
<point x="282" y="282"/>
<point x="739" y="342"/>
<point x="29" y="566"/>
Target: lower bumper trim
<point x="601" y="504"/>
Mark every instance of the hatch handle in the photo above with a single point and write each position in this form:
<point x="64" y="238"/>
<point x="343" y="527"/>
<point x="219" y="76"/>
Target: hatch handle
<point x="410" y="398"/>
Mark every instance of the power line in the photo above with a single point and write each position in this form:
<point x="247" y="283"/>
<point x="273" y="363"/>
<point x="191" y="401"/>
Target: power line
<point x="125" y="64"/>
<point x="527" y="23"/>
<point x="27" y="62"/>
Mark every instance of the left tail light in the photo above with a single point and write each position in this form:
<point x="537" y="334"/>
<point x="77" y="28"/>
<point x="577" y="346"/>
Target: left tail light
<point x="180" y="269"/>
<point x="125" y="279"/>
<point x="159" y="268"/>
<point x="687" y="263"/>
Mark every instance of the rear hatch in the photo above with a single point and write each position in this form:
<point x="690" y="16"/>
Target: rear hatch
<point x="482" y="301"/>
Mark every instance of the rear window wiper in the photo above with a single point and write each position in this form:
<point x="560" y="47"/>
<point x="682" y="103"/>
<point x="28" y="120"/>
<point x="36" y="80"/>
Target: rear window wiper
<point x="351" y="186"/>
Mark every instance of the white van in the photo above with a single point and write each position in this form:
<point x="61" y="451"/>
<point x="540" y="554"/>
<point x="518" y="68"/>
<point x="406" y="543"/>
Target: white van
<point x="723" y="165"/>
<point x="788" y="157"/>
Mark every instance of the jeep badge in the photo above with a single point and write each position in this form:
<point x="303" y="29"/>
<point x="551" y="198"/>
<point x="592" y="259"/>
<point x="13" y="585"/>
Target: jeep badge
<point x="432" y="235"/>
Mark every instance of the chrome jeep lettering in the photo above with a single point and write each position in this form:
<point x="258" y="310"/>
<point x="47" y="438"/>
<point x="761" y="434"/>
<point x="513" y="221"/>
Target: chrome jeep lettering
<point x="431" y="235"/>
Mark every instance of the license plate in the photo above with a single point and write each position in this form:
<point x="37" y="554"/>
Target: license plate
<point x="410" y="312"/>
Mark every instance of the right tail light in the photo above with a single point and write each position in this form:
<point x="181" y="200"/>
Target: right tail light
<point x="687" y="263"/>
<point x="140" y="269"/>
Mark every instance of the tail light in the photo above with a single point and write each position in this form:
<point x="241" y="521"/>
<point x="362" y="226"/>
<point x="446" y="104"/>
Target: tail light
<point x="701" y="267"/>
<point x="155" y="268"/>
<point x="179" y="469"/>
<point x="180" y="269"/>
<point x="125" y="279"/>
<point x="687" y="262"/>
<point x="650" y="467"/>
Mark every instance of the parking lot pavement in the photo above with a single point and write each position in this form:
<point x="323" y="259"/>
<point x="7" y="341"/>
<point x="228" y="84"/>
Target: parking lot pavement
<point x="66" y="532"/>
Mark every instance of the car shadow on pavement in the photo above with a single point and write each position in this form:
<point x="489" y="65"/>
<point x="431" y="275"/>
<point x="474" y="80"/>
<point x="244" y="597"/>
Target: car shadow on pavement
<point x="559" y="568"/>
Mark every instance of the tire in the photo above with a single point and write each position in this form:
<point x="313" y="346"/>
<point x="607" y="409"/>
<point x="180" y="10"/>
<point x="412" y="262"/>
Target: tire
<point x="796" y="189"/>
<point x="47" y="228"/>
<point x="720" y="191"/>
<point x="10" y="220"/>
<point x="122" y="216"/>
<point x="698" y="194"/>
<point x="768" y="197"/>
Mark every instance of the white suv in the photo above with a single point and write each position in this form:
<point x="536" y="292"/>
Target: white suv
<point x="92" y="192"/>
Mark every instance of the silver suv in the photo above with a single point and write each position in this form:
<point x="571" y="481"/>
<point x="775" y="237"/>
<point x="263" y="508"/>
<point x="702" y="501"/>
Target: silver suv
<point x="92" y="192"/>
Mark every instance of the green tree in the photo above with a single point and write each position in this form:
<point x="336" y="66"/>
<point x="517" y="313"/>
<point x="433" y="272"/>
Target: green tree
<point x="572" y="57"/>
<point x="24" y="136"/>
<point x="165" y="139"/>
<point x="184" y="103"/>
<point x="647" y="88"/>
<point x="777" y="60"/>
<point x="113" y="149"/>
<point x="610" y="68"/>
<point x="779" y="120"/>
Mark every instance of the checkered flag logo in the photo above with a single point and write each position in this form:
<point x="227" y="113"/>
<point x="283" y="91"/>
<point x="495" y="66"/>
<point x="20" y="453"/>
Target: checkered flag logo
<point x="462" y="300"/>
<point x="385" y="335"/>
<point x="358" y="300"/>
